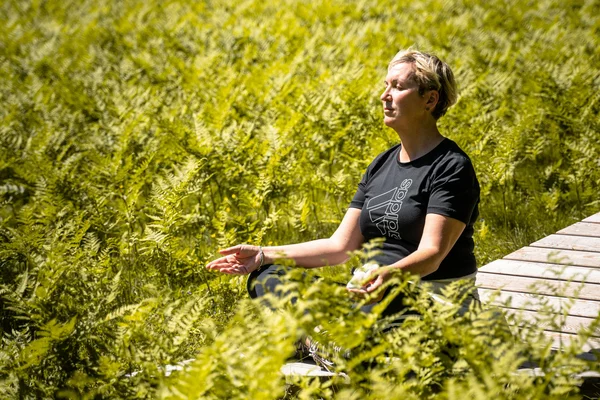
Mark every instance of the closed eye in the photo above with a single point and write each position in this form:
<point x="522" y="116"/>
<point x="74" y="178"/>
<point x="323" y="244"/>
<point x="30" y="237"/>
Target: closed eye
<point x="395" y="85"/>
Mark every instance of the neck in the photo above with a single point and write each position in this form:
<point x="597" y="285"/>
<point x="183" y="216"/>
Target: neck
<point x="418" y="142"/>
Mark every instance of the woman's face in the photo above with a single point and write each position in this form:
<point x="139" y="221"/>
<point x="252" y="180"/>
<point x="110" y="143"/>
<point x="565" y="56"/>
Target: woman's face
<point x="403" y="106"/>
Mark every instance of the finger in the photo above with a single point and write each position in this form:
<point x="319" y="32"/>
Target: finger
<point x="229" y="259"/>
<point x="217" y="261"/>
<point x="217" y="267"/>
<point x="234" y="271"/>
<point x="235" y="268"/>
<point x="220" y="265"/>
<point x="358" y="290"/>
<point x="231" y="250"/>
<point x="211" y="264"/>
<point x="239" y="273"/>
<point x="374" y="285"/>
<point x="227" y="271"/>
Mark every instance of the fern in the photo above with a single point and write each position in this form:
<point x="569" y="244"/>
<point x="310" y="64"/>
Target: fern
<point x="137" y="138"/>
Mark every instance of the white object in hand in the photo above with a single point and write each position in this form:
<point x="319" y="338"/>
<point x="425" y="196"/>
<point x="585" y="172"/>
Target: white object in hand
<point x="360" y="274"/>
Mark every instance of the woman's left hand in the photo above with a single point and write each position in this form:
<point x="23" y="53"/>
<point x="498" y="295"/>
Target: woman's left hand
<point x="376" y="280"/>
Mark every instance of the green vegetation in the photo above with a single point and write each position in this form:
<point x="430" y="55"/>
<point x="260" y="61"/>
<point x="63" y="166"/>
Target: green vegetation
<point x="137" y="138"/>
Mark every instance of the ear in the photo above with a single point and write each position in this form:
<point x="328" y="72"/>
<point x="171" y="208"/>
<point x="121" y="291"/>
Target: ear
<point x="432" y="97"/>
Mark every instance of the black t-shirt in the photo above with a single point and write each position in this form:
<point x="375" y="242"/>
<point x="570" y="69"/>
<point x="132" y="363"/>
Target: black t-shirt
<point x="394" y="198"/>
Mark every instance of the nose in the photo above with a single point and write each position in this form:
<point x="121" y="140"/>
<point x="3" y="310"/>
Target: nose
<point x="386" y="94"/>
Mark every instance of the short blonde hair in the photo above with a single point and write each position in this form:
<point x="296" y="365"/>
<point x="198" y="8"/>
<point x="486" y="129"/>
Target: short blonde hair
<point x="430" y="73"/>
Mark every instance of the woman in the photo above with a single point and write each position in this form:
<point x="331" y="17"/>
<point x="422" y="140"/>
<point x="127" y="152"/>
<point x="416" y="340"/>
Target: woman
<point x="421" y="196"/>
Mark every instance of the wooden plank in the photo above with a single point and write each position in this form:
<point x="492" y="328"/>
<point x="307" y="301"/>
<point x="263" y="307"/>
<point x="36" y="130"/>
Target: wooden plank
<point x="589" y="291"/>
<point x="539" y="372"/>
<point x="541" y="270"/>
<point x="562" y="340"/>
<point x="562" y="257"/>
<point x="559" y="274"/>
<point x="594" y="218"/>
<point x="527" y="301"/>
<point x="568" y="242"/>
<point x="568" y="335"/>
<point x="582" y="229"/>
<point x="569" y="324"/>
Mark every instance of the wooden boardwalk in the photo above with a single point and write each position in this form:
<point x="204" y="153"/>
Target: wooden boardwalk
<point x="563" y="269"/>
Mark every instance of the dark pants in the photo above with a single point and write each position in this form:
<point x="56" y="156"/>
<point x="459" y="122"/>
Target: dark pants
<point x="270" y="279"/>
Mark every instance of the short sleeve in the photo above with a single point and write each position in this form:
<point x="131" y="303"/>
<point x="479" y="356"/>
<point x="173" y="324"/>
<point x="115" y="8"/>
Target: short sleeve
<point x="454" y="190"/>
<point x="359" y="197"/>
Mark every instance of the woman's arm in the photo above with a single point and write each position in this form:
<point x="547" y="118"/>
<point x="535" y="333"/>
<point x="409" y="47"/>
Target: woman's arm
<point x="243" y="259"/>
<point x="317" y="253"/>
<point x="439" y="236"/>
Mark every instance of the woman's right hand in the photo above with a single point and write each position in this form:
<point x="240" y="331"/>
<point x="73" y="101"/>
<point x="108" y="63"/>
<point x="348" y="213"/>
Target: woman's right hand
<point x="238" y="260"/>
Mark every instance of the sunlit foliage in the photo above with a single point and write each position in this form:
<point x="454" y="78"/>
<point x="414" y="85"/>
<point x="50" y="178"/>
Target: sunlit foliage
<point x="138" y="137"/>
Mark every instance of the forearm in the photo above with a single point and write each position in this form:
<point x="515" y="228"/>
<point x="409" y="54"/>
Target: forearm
<point x="316" y="253"/>
<point x="422" y="262"/>
<point x="439" y="235"/>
